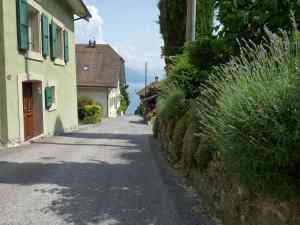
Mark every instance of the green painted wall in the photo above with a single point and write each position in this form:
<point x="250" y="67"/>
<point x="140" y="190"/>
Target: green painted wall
<point x="2" y="81"/>
<point x="65" y="117"/>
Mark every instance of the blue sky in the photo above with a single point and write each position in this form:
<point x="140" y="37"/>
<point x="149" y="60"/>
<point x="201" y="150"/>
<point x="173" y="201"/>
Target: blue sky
<point x="131" y="28"/>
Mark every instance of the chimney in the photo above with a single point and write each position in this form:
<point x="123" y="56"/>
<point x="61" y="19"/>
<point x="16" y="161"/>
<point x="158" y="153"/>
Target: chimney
<point x="92" y="44"/>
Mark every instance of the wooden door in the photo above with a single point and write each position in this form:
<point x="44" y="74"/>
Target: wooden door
<point x="28" y="110"/>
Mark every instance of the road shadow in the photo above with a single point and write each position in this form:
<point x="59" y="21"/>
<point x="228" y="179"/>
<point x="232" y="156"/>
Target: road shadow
<point x="100" y="136"/>
<point x="77" y="144"/>
<point x="138" y="190"/>
<point x="140" y="121"/>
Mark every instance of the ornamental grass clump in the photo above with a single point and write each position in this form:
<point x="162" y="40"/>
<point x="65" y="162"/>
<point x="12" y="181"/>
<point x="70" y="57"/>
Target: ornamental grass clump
<point x="252" y="106"/>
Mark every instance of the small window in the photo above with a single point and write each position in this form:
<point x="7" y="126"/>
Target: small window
<point x="50" y="98"/>
<point x="93" y="67"/>
<point x="34" y="29"/>
<point x="85" y="68"/>
<point x="60" y="44"/>
<point x="53" y="89"/>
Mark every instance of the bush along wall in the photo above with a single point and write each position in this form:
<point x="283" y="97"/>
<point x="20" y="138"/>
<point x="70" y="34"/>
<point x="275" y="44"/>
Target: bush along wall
<point x="256" y="116"/>
<point x="125" y="101"/>
<point x="89" y="111"/>
<point x="238" y="141"/>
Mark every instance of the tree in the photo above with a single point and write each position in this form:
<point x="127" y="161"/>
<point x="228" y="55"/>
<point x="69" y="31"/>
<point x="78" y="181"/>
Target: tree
<point x="205" y="17"/>
<point x="172" y="22"/>
<point x="243" y="19"/>
<point x="193" y="63"/>
<point x="124" y="100"/>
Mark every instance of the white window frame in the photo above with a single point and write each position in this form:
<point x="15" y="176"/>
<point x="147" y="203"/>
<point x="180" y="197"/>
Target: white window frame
<point x="115" y="103"/>
<point x="111" y="102"/>
<point x="52" y="83"/>
<point x="32" y="54"/>
<point x="60" y="25"/>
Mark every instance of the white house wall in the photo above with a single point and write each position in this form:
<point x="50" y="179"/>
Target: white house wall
<point x="114" y="95"/>
<point x="98" y="94"/>
<point x="1" y="124"/>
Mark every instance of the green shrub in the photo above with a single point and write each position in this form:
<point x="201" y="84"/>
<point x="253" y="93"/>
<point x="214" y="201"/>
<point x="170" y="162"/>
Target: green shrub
<point x="254" y="113"/>
<point x="140" y="111"/>
<point x="172" y="105"/>
<point x="205" y="53"/>
<point x="190" y="146"/>
<point x="89" y="111"/>
<point x="155" y="128"/>
<point x="170" y="129"/>
<point x="92" y="114"/>
<point x="190" y="70"/>
<point x="203" y="155"/>
<point x="184" y="75"/>
<point x="177" y="140"/>
<point x="83" y="100"/>
<point x="124" y="101"/>
<point x="180" y="129"/>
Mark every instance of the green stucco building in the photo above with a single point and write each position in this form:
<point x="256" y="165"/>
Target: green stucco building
<point x="37" y="68"/>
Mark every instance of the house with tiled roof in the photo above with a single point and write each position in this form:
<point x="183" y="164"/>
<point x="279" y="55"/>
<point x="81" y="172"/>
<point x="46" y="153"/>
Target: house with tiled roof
<point x="148" y="97"/>
<point x="100" y="75"/>
<point x="152" y="89"/>
<point x="38" y="68"/>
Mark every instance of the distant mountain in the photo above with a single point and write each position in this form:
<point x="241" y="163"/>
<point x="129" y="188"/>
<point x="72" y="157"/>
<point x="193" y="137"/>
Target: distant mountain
<point x="136" y="81"/>
<point x="134" y="76"/>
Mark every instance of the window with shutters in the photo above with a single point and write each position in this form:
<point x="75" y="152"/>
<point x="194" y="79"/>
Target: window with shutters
<point x="51" y="96"/>
<point x="34" y="31"/>
<point x="22" y="25"/>
<point x="40" y="36"/>
<point x="60" y="43"/>
<point x="45" y="35"/>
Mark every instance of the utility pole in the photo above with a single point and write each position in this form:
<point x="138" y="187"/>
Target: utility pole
<point x="191" y="20"/>
<point x="146" y="76"/>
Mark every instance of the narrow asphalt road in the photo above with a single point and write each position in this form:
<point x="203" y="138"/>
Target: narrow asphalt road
<point x="109" y="174"/>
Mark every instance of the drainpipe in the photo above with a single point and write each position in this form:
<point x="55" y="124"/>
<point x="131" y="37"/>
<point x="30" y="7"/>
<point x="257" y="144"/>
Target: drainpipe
<point x="107" y="107"/>
<point x="146" y="74"/>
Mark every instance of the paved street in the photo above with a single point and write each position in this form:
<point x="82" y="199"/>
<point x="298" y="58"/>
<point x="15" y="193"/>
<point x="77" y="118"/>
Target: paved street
<point x="109" y="174"/>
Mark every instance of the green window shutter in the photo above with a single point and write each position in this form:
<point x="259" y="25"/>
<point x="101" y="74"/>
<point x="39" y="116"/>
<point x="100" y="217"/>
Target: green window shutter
<point x="53" y="40"/>
<point x="49" y="97"/>
<point x="22" y="24"/>
<point x="45" y="35"/>
<point x="66" y="46"/>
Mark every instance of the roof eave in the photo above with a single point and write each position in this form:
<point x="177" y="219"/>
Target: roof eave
<point x="88" y="15"/>
<point x="80" y="9"/>
<point x="95" y="86"/>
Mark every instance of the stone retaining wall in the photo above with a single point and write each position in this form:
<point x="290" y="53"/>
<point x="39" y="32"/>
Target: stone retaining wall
<point x="226" y="201"/>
